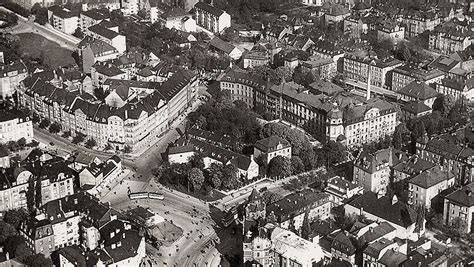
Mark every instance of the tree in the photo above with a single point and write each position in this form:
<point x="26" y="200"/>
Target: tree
<point x="297" y="165"/>
<point x="230" y="178"/>
<point x="21" y="142"/>
<point x="30" y="195"/>
<point x="279" y="166"/>
<point x="108" y="146"/>
<point x="41" y="16"/>
<point x="78" y="138"/>
<point x="295" y="137"/>
<point x="196" y="178"/>
<point x="44" y="123"/>
<point x="66" y="134"/>
<point x="90" y="143"/>
<point x="15" y="245"/>
<point x="443" y="104"/>
<point x="6" y="230"/>
<point x="306" y="227"/>
<point x="215" y="173"/>
<point x="38" y="193"/>
<point x="38" y="260"/>
<point x="127" y="149"/>
<point x="334" y="152"/>
<point x="54" y="128"/>
<point x="15" y="217"/>
<point x="35" y="118"/>
<point x="78" y="33"/>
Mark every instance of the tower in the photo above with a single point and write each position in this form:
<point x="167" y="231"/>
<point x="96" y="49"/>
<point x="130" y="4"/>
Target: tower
<point x="334" y="125"/>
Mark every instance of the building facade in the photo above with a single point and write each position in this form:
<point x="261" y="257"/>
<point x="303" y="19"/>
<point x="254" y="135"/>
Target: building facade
<point x="211" y="18"/>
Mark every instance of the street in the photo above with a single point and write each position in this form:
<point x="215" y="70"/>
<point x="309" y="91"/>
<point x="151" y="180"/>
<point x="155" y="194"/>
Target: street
<point x="26" y="25"/>
<point x="186" y="212"/>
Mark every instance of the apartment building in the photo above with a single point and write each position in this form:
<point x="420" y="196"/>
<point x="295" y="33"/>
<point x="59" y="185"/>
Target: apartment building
<point x="340" y="189"/>
<point x="11" y="74"/>
<point x="457" y="89"/>
<point x="211" y="18"/>
<point x="130" y="7"/>
<point x="110" y="36"/>
<point x="420" y="21"/>
<point x="102" y="71"/>
<point x="64" y="20"/>
<point x="459" y="206"/>
<point x="15" y="125"/>
<point x="372" y="170"/>
<point x="450" y="39"/>
<point x="324" y="68"/>
<point x="403" y="75"/>
<point x="136" y="124"/>
<point x="382" y="208"/>
<point x="55" y="176"/>
<point x="90" y="18"/>
<point x="97" y="176"/>
<point x="419" y="92"/>
<point x="357" y="68"/>
<point x="290" y="211"/>
<point x="450" y="152"/>
<point x="38" y="234"/>
<point x="242" y="85"/>
<point x="390" y="30"/>
<point x="424" y="187"/>
<point x="92" y="50"/>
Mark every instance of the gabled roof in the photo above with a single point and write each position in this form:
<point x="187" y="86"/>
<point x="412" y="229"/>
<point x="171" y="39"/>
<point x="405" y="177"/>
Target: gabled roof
<point x="102" y="31"/>
<point x="171" y="87"/>
<point x="383" y="207"/>
<point x="430" y="178"/>
<point x="343" y="244"/>
<point x="271" y="143"/>
<point x="208" y="8"/>
<point x="222" y="45"/>
<point x="463" y="196"/>
<point x="415" y="107"/>
<point x="418" y="90"/>
<point x="98" y="47"/>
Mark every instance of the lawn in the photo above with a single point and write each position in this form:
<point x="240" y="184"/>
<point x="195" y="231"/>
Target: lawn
<point x="36" y="46"/>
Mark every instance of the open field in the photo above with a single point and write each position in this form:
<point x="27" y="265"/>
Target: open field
<point x="36" y="46"/>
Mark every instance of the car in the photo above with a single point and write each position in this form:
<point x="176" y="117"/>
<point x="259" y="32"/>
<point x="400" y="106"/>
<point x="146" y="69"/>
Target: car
<point x="263" y="189"/>
<point x="51" y="143"/>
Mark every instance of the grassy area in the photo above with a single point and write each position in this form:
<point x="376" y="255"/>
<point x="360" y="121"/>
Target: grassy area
<point x="36" y="46"/>
<point x="167" y="233"/>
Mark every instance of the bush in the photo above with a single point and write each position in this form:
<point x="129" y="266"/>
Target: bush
<point x="44" y="124"/>
<point x="91" y="143"/>
<point x="55" y="128"/>
<point x="127" y="149"/>
<point x="66" y="134"/>
<point x="78" y="138"/>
